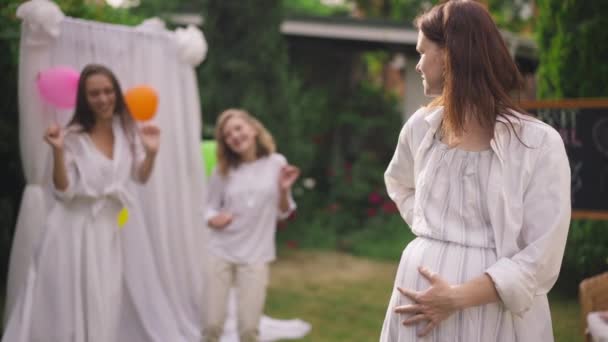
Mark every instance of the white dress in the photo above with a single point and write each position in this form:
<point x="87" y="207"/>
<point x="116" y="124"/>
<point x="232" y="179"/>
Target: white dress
<point x="75" y="283"/>
<point x="455" y="240"/>
<point x="528" y="207"/>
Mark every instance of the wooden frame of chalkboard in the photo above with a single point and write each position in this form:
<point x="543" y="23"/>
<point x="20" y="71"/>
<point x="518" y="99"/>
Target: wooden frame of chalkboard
<point x="583" y="124"/>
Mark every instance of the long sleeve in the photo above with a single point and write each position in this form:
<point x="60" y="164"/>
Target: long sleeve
<point x="546" y="218"/>
<point x="399" y="176"/>
<point x="292" y="207"/>
<point x="215" y="195"/>
<point x="136" y="148"/>
<point x="282" y="215"/>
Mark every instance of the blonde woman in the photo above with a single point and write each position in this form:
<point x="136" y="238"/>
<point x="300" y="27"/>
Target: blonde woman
<point x="248" y="192"/>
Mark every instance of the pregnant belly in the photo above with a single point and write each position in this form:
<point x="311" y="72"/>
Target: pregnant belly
<point x="454" y="262"/>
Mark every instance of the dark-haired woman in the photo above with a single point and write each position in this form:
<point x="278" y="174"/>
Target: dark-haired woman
<point x="74" y="286"/>
<point x="485" y="188"/>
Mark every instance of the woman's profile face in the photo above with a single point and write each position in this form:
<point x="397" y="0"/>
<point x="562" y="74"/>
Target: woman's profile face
<point x="239" y="135"/>
<point x="101" y="96"/>
<point x="431" y="65"/>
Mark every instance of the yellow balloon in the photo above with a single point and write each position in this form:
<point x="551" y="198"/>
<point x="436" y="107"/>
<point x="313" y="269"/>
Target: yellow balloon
<point x="123" y="217"/>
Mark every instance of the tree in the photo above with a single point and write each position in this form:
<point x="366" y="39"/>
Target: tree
<point x="313" y="8"/>
<point x="247" y="62"/>
<point x="573" y="49"/>
<point x="403" y="10"/>
<point x="10" y="173"/>
<point x="512" y="15"/>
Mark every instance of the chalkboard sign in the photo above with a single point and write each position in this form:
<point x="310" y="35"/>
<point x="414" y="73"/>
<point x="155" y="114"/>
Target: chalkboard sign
<point x="583" y="124"/>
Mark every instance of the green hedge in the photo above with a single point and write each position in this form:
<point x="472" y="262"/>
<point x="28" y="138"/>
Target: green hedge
<point x="10" y="173"/>
<point x="573" y="49"/>
<point x="586" y="253"/>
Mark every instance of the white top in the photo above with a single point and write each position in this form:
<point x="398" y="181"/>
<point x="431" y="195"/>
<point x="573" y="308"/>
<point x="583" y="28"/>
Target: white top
<point x="598" y="328"/>
<point x="455" y="241"/>
<point x="74" y="286"/>
<point x="528" y="200"/>
<point x="92" y="176"/>
<point x="251" y="194"/>
<point x="454" y="209"/>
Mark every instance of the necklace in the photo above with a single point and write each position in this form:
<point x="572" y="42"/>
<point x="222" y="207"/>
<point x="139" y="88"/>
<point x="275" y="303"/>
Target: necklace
<point x="248" y="185"/>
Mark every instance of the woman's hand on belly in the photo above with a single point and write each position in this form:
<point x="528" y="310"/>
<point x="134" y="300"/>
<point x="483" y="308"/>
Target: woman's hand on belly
<point x="220" y="221"/>
<point x="441" y="299"/>
<point x="432" y="305"/>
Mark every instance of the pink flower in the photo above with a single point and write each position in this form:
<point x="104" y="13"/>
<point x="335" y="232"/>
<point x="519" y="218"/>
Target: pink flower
<point x="281" y="225"/>
<point x="292" y="216"/>
<point x="348" y="166"/>
<point x="374" y="198"/>
<point x="332" y="208"/>
<point x="389" y="207"/>
<point x="293" y="244"/>
<point x="371" y="212"/>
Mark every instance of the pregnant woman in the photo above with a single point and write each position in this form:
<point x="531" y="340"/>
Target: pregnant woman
<point x="484" y="187"/>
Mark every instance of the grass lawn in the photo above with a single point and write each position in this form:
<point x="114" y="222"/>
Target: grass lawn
<point x="344" y="297"/>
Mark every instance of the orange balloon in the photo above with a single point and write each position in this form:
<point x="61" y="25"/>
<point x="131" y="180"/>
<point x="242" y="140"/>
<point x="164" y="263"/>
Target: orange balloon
<point x="142" y="102"/>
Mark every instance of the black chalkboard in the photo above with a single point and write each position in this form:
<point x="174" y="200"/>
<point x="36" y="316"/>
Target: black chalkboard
<point x="583" y="124"/>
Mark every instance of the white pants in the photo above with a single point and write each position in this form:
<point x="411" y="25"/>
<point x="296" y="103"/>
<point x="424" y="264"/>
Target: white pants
<point x="250" y="281"/>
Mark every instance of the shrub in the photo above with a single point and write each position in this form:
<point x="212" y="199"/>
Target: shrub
<point x="586" y="253"/>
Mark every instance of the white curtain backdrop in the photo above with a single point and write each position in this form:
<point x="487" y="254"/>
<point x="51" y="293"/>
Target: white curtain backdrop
<point x="165" y="249"/>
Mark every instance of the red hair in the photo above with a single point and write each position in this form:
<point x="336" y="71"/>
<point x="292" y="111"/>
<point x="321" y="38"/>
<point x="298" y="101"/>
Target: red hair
<point x="480" y="74"/>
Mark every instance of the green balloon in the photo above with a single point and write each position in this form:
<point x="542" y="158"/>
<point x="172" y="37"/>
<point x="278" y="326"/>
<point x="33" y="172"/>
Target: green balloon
<point x="208" y="150"/>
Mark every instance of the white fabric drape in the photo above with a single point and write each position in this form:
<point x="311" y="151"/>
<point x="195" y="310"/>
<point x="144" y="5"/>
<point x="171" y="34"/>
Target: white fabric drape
<point x="163" y="257"/>
<point x="34" y="155"/>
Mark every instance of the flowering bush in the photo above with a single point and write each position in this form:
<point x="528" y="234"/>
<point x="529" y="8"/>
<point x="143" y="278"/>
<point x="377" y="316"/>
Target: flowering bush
<point x="341" y="191"/>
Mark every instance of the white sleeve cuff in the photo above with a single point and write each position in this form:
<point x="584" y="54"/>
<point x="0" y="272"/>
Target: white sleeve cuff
<point x="63" y="195"/>
<point x="209" y="214"/>
<point x="292" y="207"/>
<point x="514" y="289"/>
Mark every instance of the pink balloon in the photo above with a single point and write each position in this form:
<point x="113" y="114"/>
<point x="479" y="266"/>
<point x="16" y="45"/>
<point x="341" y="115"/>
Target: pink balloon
<point x="58" y="86"/>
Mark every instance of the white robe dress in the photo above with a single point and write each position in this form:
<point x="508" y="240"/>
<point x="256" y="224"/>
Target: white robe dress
<point x="504" y="212"/>
<point x="75" y="281"/>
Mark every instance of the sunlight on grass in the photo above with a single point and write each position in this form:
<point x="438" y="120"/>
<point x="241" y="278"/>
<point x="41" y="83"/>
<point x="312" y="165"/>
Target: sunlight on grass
<point x="565" y="313"/>
<point x="344" y="297"/>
